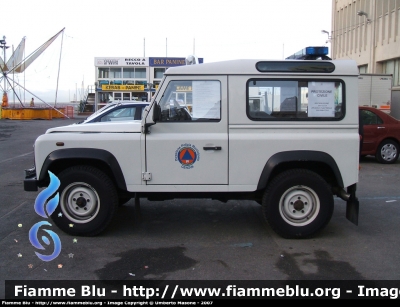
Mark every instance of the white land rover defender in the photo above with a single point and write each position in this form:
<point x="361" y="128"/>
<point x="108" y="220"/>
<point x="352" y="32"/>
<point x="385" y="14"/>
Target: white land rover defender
<point x="281" y="133"/>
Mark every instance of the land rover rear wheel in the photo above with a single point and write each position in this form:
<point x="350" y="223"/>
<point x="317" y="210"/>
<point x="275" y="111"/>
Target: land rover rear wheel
<point x="88" y="201"/>
<point x="298" y="203"/>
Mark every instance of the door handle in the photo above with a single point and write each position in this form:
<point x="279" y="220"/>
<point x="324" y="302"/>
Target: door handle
<point x="381" y="127"/>
<point x="213" y="148"/>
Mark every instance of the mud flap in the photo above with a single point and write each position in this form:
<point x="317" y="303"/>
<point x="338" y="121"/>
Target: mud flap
<point x="352" y="206"/>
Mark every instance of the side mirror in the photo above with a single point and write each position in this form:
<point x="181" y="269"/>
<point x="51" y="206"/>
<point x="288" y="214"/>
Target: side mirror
<point x="156" y="112"/>
<point x="156" y="117"/>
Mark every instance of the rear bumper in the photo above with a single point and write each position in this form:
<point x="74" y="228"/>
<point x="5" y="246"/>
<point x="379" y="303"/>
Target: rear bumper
<point x="30" y="181"/>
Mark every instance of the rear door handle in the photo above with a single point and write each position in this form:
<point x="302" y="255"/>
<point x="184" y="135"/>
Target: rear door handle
<point x="213" y="148"/>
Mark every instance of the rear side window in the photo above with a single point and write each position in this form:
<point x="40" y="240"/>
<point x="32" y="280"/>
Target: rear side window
<point x="370" y="118"/>
<point x="120" y="115"/>
<point x="290" y="99"/>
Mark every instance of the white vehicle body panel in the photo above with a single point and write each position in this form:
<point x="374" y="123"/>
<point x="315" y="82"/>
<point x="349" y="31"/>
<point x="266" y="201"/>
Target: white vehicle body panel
<point x="270" y="138"/>
<point x="246" y="145"/>
<point x="130" y="126"/>
<point x="282" y="133"/>
<point x="165" y="139"/>
<point x="122" y="139"/>
<point x="252" y="143"/>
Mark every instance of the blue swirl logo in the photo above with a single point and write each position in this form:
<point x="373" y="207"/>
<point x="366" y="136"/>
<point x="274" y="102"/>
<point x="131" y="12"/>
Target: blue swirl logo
<point x="45" y="207"/>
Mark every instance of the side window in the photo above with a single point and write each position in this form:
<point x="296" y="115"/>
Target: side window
<point x="295" y="99"/>
<point x="370" y="118"/>
<point x="191" y="101"/>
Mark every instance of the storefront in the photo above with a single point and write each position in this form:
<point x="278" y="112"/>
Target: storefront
<point x="130" y="79"/>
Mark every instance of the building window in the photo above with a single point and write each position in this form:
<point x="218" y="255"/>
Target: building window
<point x="140" y="73"/>
<point x="104" y="72"/>
<point x="116" y="82"/>
<point x="159" y="73"/>
<point x="392" y="67"/>
<point x="363" y="69"/>
<point x="115" y="73"/>
<point x="105" y="97"/>
<point x="129" y="72"/>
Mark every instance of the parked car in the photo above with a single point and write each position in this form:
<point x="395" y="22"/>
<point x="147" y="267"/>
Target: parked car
<point x="381" y="135"/>
<point x="117" y="111"/>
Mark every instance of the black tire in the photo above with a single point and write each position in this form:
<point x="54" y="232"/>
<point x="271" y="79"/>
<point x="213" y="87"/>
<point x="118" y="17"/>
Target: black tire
<point x="387" y="152"/>
<point x="298" y="204"/>
<point x="88" y="201"/>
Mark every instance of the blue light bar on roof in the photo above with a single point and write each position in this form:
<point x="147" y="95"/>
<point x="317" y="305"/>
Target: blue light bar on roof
<point x="310" y="53"/>
<point x="316" y="50"/>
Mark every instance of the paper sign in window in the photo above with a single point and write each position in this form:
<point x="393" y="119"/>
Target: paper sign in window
<point x="206" y="99"/>
<point x="321" y="99"/>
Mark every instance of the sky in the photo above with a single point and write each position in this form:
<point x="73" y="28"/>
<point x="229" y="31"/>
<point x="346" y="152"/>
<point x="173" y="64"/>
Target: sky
<point x="215" y="30"/>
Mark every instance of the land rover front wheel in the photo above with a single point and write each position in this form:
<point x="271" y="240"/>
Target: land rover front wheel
<point x="87" y="203"/>
<point x="298" y="203"/>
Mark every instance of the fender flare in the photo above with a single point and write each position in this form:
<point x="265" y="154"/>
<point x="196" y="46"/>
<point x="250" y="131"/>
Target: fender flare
<point x="85" y="153"/>
<point x="298" y="156"/>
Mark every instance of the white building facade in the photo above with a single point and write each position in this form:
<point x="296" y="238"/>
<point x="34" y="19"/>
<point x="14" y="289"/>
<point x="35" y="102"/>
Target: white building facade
<point x="368" y="31"/>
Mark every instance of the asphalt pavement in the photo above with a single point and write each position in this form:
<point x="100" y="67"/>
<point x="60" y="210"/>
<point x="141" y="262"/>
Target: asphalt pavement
<point x="197" y="239"/>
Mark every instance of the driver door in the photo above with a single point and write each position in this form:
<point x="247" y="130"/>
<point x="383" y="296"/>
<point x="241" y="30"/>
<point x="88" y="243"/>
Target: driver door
<point x="189" y="143"/>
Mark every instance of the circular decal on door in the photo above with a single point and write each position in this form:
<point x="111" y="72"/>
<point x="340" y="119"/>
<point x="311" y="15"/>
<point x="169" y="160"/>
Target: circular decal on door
<point x="187" y="155"/>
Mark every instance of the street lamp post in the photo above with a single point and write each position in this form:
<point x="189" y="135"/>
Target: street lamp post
<point x="328" y="40"/>
<point x="362" y="13"/>
<point x="4" y="47"/>
<point x="149" y="87"/>
<point x="329" y="37"/>
<point x="96" y="97"/>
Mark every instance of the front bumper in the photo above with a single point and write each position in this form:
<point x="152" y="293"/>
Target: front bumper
<point x="30" y="181"/>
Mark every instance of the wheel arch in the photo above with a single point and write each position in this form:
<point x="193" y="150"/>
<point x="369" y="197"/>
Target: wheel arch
<point x="61" y="159"/>
<point x="389" y="138"/>
<point x="317" y="161"/>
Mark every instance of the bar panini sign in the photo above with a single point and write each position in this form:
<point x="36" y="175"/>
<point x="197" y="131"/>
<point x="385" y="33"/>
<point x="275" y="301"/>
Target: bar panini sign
<point x="139" y="88"/>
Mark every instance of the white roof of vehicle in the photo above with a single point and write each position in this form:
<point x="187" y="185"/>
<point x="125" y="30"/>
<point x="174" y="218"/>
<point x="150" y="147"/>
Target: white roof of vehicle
<point x="240" y="67"/>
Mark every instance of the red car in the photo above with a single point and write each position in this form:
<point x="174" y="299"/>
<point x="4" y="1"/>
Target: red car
<point x="380" y="135"/>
